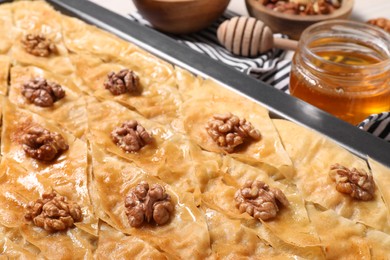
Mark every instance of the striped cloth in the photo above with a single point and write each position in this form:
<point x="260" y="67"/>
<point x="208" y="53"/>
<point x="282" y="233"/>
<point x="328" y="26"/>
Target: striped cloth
<point x="271" y="67"/>
<point x="378" y="125"/>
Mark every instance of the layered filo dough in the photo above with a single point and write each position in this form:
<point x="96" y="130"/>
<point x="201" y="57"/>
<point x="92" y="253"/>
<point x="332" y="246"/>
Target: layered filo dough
<point x="7" y="34"/>
<point x="82" y="38"/>
<point x="114" y="178"/>
<point x="108" y="152"/>
<point x="114" y="244"/>
<point x="313" y="156"/>
<point x="346" y="239"/>
<point x="37" y="18"/>
<point x="296" y="233"/>
<point x="157" y="97"/>
<point x="211" y="99"/>
<point x="24" y="179"/>
<point x="4" y="72"/>
<point x="67" y="174"/>
<point x="164" y="149"/>
<point x="70" y="111"/>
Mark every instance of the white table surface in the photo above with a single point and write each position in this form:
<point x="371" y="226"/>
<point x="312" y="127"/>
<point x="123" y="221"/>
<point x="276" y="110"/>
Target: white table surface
<point x="363" y="9"/>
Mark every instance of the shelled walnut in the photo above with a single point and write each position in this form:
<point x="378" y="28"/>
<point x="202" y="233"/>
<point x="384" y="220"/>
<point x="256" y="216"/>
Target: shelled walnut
<point x="125" y="81"/>
<point x="41" y="144"/>
<point x="39" y="45"/>
<point x="229" y="131"/>
<point x="381" y="23"/>
<point x="259" y="200"/>
<point x="41" y="92"/>
<point x="131" y="136"/>
<point x="303" y="7"/>
<point x="357" y="183"/>
<point x="148" y="204"/>
<point x="53" y="212"/>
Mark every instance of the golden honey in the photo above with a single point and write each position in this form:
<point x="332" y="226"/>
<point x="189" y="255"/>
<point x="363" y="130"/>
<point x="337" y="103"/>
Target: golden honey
<point x="343" y="69"/>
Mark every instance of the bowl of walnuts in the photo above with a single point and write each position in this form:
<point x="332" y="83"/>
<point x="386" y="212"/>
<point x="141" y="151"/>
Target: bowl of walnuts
<point x="291" y="17"/>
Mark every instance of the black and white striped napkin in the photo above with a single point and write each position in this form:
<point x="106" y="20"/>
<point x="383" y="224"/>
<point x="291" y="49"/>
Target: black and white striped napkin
<point x="270" y="67"/>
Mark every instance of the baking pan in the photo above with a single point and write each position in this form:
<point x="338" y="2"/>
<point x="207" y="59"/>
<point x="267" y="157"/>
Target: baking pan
<point x="279" y="104"/>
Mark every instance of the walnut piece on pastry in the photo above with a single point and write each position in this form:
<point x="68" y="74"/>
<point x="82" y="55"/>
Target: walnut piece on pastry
<point x="53" y="212"/>
<point x="39" y="20"/>
<point x="69" y="110"/>
<point x="229" y="131"/>
<point x="131" y="136"/>
<point x="259" y="200"/>
<point x="41" y="144"/>
<point x="124" y="81"/>
<point x="144" y="203"/>
<point x="213" y="98"/>
<point x="41" y="92"/>
<point x="39" y="45"/>
<point x="357" y="183"/>
<point x="313" y="155"/>
<point x="115" y="177"/>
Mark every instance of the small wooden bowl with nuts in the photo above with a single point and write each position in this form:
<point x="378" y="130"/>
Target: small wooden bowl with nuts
<point x="291" y="17"/>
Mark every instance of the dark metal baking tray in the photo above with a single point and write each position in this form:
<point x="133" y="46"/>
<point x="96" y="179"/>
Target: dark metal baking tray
<point x="280" y="104"/>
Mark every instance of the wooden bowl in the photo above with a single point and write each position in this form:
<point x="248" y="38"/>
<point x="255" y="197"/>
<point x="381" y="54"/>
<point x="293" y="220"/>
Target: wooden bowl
<point x="181" y="16"/>
<point x="290" y="24"/>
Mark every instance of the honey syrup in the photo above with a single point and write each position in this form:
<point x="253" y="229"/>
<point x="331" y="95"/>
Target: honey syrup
<point x="352" y="100"/>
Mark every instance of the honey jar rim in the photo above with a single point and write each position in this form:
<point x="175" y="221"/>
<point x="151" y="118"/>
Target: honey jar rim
<point x="313" y="33"/>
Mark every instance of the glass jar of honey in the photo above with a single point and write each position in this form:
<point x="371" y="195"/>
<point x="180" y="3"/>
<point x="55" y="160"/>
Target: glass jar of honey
<point x="343" y="67"/>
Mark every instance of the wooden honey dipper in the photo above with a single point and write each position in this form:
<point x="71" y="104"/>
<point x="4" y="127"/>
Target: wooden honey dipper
<point x="246" y="36"/>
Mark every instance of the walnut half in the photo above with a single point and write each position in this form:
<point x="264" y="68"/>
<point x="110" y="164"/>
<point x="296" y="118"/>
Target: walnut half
<point x="125" y="81"/>
<point x="41" y="144"/>
<point x="53" y="212"/>
<point x="229" y="131"/>
<point x="381" y="22"/>
<point x="357" y="183"/>
<point x="303" y="7"/>
<point x="259" y="200"/>
<point x="41" y="92"/>
<point x="39" y="45"/>
<point x="147" y="204"/>
<point x="131" y="136"/>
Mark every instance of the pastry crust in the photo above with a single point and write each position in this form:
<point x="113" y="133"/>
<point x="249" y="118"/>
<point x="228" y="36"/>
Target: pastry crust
<point x="114" y="244"/>
<point x="231" y="239"/>
<point x="211" y="98"/>
<point x="114" y="178"/>
<point x="6" y="31"/>
<point x="13" y="244"/>
<point x="382" y="175"/>
<point x="70" y="112"/>
<point x="158" y="99"/>
<point x="82" y="38"/>
<point x="104" y="117"/>
<point x="219" y="195"/>
<point x="4" y="72"/>
<point x="346" y="240"/>
<point x="173" y="106"/>
<point x="313" y="155"/>
<point x="67" y="174"/>
<point x="19" y="186"/>
<point x="39" y="18"/>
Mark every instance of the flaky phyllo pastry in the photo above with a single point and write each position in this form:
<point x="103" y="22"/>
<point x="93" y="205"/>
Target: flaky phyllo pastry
<point x="108" y="152"/>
